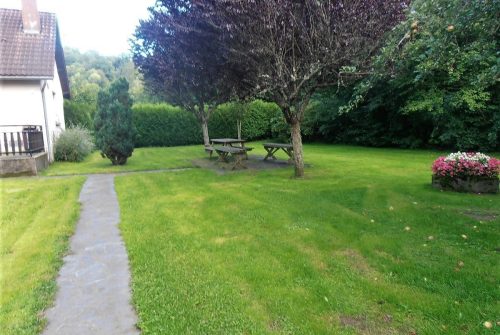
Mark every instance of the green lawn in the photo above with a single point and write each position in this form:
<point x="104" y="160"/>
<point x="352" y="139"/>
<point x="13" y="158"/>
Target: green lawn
<point x="142" y="159"/>
<point x="261" y="253"/>
<point x="37" y="217"/>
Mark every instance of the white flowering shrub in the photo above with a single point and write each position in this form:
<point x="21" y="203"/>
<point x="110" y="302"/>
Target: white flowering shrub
<point x="73" y="145"/>
<point x="469" y="157"/>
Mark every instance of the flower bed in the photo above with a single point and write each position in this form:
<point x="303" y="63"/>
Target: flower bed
<point x="466" y="172"/>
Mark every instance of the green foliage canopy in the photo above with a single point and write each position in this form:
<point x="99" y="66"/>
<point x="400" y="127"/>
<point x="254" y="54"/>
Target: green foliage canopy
<point x="436" y="82"/>
<point x="89" y="72"/>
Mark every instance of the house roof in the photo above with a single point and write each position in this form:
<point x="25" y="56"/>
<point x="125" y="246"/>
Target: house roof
<point x="31" y="56"/>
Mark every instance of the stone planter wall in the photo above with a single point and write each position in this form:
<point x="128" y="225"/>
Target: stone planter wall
<point x="12" y="166"/>
<point x="469" y="184"/>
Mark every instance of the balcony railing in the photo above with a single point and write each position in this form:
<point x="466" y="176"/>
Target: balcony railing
<point x="21" y="140"/>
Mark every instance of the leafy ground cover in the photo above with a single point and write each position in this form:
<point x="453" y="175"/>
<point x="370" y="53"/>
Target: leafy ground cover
<point x="362" y="245"/>
<point x="36" y="219"/>
<point x="142" y="159"/>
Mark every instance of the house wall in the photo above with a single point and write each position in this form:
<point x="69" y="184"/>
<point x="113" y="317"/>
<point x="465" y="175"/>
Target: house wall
<point x="21" y="103"/>
<point x="54" y="103"/>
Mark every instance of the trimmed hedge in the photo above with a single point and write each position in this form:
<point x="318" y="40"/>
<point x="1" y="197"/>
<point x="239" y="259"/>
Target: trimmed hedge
<point x="78" y="114"/>
<point x="166" y="125"/>
<point x="256" y="120"/>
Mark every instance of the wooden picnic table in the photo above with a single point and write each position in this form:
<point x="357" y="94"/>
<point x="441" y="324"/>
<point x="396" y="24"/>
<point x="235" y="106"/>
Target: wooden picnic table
<point x="228" y="142"/>
<point x="272" y="148"/>
<point x="236" y="152"/>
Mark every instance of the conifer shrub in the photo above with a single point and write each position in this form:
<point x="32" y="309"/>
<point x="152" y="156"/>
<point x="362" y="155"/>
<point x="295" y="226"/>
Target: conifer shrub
<point x="114" y="129"/>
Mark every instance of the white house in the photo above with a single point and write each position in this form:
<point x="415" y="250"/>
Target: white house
<point x="33" y="82"/>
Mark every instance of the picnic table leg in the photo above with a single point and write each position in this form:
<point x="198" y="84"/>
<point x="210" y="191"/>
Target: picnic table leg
<point x="240" y="145"/>
<point x="223" y="156"/>
<point x="289" y="152"/>
<point x="246" y="152"/>
<point x="270" y="153"/>
<point x="238" y="161"/>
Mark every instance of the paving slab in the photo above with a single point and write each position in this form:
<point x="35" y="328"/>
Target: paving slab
<point x="94" y="283"/>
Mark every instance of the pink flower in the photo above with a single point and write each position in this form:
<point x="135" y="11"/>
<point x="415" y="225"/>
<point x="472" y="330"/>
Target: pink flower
<point x="466" y="165"/>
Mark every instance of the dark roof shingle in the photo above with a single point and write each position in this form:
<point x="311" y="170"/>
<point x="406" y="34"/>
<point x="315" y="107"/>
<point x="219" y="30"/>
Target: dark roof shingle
<point x="26" y="55"/>
<point x="31" y="56"/>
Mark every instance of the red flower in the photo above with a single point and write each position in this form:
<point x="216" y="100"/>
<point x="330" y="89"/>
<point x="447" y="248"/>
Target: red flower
<point x="465" y="168"/>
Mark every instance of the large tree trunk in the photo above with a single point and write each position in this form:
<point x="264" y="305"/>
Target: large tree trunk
<point x="203" y="117"/>
<point x="204" y="127"/>
<point x="297" y="149"/>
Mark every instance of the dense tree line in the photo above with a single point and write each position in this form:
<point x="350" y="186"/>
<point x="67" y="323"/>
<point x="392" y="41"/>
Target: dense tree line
<point x="90" y="72"/>
<point x="435" y="83"/>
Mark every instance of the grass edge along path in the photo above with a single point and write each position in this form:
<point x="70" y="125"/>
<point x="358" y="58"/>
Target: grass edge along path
<point x="38" y="216"/>
<point x="94" y="294"/>
<point x="142" y="159"/>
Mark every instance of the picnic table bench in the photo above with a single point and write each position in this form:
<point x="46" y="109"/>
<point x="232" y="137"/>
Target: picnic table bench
<point x="272" y="148"/>
<point x="209" y="149"/>
<point x="237" y="153"/>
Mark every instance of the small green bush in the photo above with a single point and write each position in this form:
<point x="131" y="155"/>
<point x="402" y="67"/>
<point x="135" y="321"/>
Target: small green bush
<point x="73" y="145"/>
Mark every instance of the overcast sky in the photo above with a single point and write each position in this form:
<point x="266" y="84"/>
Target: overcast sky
<point x="101" y="25"/>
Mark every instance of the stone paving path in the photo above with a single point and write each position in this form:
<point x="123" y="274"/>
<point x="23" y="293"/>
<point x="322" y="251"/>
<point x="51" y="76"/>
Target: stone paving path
<point x="93" y="285"/>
